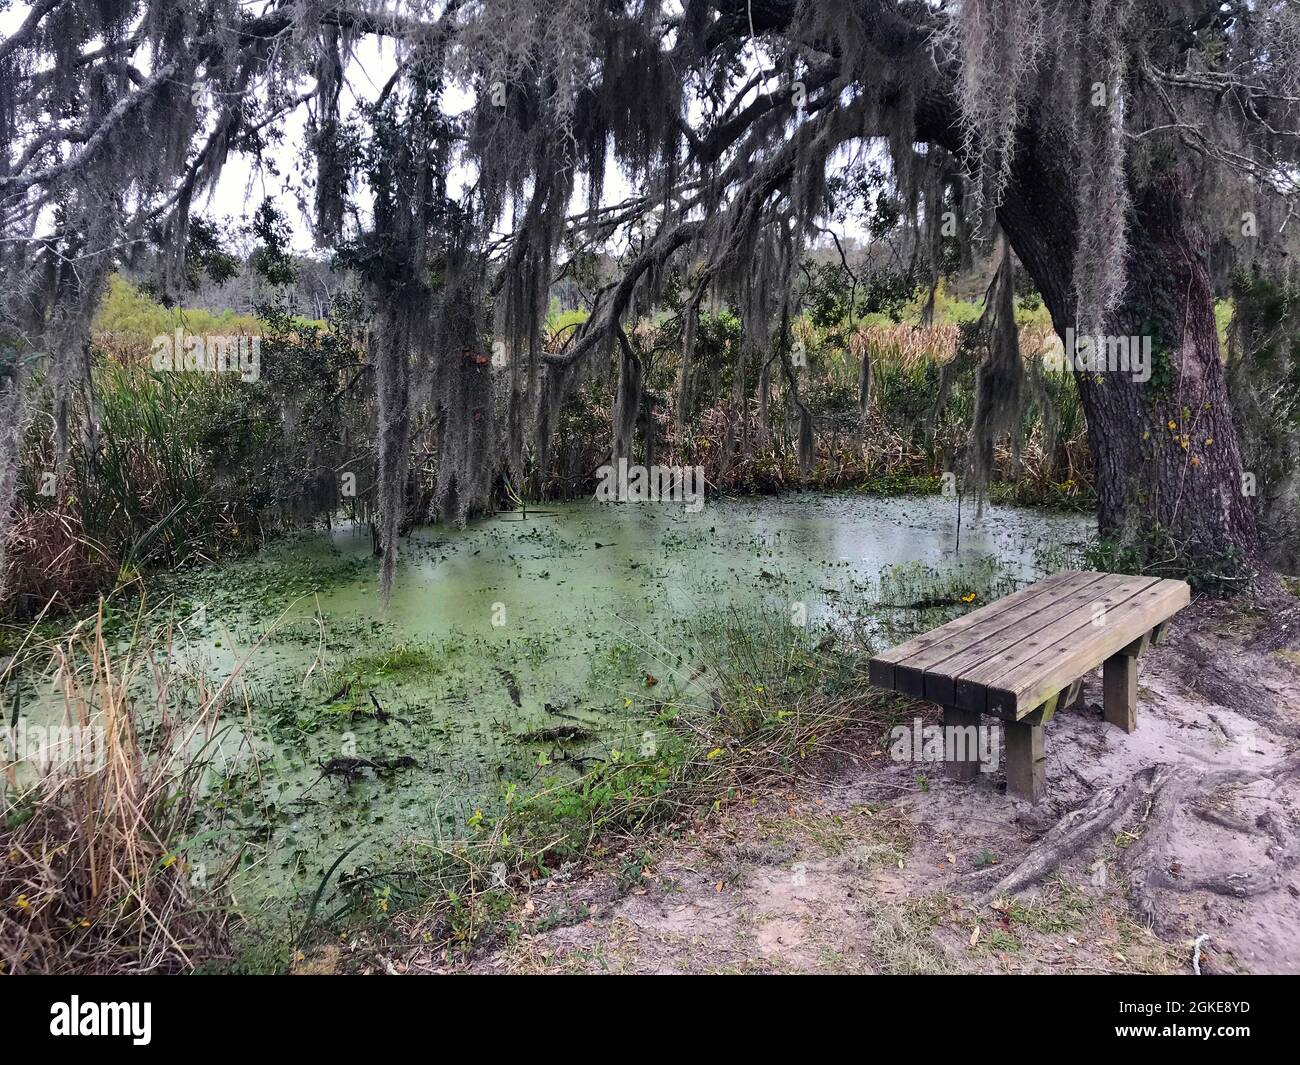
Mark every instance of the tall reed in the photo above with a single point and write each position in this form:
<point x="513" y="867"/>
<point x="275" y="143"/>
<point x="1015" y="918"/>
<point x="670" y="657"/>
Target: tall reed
<point x="95" y="874"/>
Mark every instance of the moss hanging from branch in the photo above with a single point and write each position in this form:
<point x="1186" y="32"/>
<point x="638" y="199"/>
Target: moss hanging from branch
<point x="1103" y="196"/>
<point x="464" y="397"/>
<point x="627" y="400"/>
<point x="1003" y="382"/>
<point x="999" y="380"/>
<point x="690" y="327"/>
<point x="1000" y="43"/>
<point x="410" y="246"/>
<point x="864" y="374"/>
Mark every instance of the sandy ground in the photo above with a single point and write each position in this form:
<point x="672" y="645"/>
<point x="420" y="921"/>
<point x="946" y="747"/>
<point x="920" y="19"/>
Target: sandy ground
<point x="1186" y="829"/>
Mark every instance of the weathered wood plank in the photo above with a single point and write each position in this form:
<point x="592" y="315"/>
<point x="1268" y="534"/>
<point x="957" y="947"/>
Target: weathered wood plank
<point x="1138" y="646"/>
<point x="1042" y="634"/>
<point x="1033" y="674"/>
<point x="967" y="768"/>
<point x="1026" y="761"/>
<point x="937" y="681"/>
<point x="880" y="669"/>
<point x="1119" y="691"/>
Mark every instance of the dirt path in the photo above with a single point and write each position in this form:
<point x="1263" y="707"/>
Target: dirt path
<point x="1145" y="843"/>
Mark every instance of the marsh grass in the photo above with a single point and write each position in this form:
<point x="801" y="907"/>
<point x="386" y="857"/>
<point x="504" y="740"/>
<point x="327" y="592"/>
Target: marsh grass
<point x="898" y="443"/>
<point x="916" y="586"/>
<point x="148" y="490"/>
<point x="96" y="870"/>
<point x="142" y="489"/>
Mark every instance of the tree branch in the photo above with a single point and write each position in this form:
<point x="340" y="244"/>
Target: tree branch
<point x="27" y="30"/>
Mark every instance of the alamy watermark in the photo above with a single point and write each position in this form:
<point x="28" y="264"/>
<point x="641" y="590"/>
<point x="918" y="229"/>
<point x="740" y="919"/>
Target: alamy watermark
<point x="177" y="352"/>
<point x="45" y="747"/>
<point x="947" y="743"/>
<point x="653" y="484"/>
<point x="119" y="1019"/>
<point x="1103" y="354"/>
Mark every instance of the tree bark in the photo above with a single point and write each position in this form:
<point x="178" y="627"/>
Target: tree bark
<point x="1165" y="452"/>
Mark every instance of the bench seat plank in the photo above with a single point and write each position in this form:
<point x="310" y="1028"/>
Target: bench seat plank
<point x="928" y="648"/>
<point x="1080" y="614"/>
<point x="1064" y="599"/>
<point x="1040" y="676"/>
<point x="1010" y="657"/>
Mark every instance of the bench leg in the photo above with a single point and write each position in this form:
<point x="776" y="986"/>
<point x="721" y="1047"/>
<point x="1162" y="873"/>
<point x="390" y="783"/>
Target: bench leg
<point x="1026" y="761"/>
<point x="1119" y="691"/>
<point x="967" y="768"/>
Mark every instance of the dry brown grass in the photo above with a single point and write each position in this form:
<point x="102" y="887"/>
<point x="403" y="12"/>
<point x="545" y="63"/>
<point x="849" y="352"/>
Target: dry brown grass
<point x="903" y="345"/>
<point x="93" y="873"/>
<point x="51" y="564"/>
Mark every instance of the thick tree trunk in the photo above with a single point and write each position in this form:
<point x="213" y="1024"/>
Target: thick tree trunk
<point x="1147" y="481"/>
<point x="1165" y="452"/>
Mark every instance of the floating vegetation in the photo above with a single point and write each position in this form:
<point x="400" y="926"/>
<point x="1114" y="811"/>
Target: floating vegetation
<point x="378" y="735"/>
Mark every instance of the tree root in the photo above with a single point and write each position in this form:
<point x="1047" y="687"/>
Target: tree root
<point x="1076" y="830"/>
<point x="1220" y="681"/>
<point x="1148" y="861"/>
<point x="1149" y="805"/>
<point x="1283" y="631"/>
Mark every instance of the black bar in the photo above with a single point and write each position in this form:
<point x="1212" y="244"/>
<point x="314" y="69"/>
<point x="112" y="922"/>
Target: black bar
<point x="234" y="1015"/>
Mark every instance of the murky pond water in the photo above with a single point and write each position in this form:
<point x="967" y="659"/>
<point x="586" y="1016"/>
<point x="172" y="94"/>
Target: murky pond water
<point x="515" y="649"/>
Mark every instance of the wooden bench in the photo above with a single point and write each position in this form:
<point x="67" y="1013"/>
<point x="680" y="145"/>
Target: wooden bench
<point x="1023" y="658"/>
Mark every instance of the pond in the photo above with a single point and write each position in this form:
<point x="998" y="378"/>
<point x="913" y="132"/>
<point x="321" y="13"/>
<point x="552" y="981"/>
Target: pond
<point x="519" y="649"/>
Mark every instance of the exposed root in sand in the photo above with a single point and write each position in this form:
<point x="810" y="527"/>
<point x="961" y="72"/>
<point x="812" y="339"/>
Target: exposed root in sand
<point x="1155" y="805"/>
<point x="1073" y="833"/>
<point x="1156" y="863"/>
